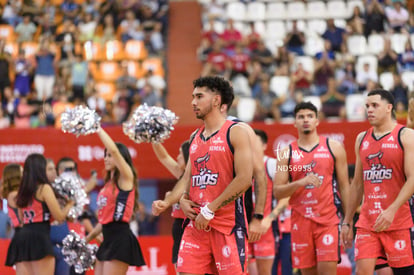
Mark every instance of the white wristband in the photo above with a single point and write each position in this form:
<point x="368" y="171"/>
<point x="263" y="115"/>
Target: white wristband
<point x="206" y="212"/>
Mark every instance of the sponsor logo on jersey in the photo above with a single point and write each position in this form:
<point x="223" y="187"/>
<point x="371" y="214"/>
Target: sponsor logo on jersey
<point x="204" y="176"/>
<point x="377" y="172"/>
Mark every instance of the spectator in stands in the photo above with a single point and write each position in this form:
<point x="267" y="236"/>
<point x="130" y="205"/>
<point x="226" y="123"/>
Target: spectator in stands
<point x="24" y="113"/>
<point x="333" y="101"/>
<point x="121" y="105"/>
<point x="346" y="79"/>
<point x="149" y="96"/>
<point x="4" y="119"/>
<point x="406" y="59"/>
<point x="10" y="104"/>
<point x="46" y="27"/>
<point x="11" y="12"/>
<point x="96" y="102"/>
<point x="130" y="27"/>
<point x="106" y="30"/>
<point x="239" y="62"/>
<point x="397" y="16"/>
<point x="266" y="103"/>
<point x="230" y="37"/>
<point x="400" y="91"/>
<point x="282" y="56"/>
<point x="334" y="34"/>
<point x="253" y="38"/>
<point x="91" y="6"/>
<point x="70" y="10"/>
<point x="327" y="55"/>
<point x="301" y="81"/>
<point x="295" y="40"/>
<point x="375" y="18"/>
<point x="364" y="75"/>
<point x="26" y="29"/>
<point x="45" y="71"/>
<point x="152" y="30"/>
<point x="214" y="10"/>
<point x="156" y="81"/>
<point x="356" y="23"/>
<point x="79" y="77"/>
<point x="127" y="81"/>
<point x="161" y="14"/>
<point x="49" y="9"/>
<point x="65" y="41"/>
<point x="211" y="35"/>
<point x="86" y="27"/>
<point x="263" y="56"/>
<point x="387" y="59"/>
<point x="216" y="61"/>
<point x="324" y="70"/>
<point x="23" y="69"/>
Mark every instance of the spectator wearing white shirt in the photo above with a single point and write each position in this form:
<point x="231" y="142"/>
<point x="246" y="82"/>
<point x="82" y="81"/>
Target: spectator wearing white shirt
<point x="397" y="16"/>
<point x="365" y="75"/>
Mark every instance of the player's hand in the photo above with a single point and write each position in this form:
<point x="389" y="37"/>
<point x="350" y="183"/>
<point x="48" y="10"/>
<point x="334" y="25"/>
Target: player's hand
<point x="158" y="207"/>
<point x="255" y="230"/>
<point x="188" y="207"/>
<point x="266" y="223"/>
<point x="346" y="237"/>
<point x="201" y="223"/>
<point x="384" y="220"/>
<point x="311" y="179"/>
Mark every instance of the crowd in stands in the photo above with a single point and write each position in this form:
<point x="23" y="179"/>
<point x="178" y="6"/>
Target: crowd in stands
<point x="278" y="53"/>
<point x="55" y="54"/>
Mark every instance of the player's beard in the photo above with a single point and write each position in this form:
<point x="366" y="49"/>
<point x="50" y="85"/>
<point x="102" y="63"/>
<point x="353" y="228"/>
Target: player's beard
<point x="307" y="132"/>
<point x="202" y="114"/>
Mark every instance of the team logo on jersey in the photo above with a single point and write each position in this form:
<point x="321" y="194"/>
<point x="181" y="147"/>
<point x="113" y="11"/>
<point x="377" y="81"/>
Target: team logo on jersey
<point x="377" y="172"/>
<point x="205" y="176"/>
<point x="101" y="202"/>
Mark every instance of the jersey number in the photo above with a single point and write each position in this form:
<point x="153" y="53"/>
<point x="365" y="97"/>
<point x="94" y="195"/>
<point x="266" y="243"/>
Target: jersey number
<point x="28" y="216"/>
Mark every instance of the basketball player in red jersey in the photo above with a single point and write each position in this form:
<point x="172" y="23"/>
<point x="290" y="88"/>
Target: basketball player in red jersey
<point x="310" y="171"/>
<point x="219" y="171"/>
<point x="384" y="177"/>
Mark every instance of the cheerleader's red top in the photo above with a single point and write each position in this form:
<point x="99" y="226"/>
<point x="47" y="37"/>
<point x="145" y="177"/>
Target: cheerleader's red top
<point x="114" y="204"/>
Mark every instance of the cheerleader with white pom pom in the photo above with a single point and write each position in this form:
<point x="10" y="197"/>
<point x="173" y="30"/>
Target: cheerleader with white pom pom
<point x="116" y="201"/>
<point x="36" y="201"/>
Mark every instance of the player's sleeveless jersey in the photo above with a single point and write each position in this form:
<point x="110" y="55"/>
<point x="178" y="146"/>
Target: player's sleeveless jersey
<point x="115" y="205"/>
<point x="383" y="170"/>
<point x="177" y="212"/>
<point x="14" y="216"/>
<point x="270" y="167"/>
<point x="36" y="212"/>
<point x="319" y="204"/>
<point x="212" y="170"/>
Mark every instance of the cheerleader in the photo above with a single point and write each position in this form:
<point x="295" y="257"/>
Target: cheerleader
<point x="36" y="201"/>
<point x="12" y="175"/>
<point x="116" y="201"/>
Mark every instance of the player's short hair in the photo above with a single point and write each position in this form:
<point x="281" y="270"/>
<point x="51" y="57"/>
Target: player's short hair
<point x="219" y="85"/>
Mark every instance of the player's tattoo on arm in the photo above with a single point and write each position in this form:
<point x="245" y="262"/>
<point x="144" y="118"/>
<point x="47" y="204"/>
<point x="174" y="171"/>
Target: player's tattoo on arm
<point x="229" y="200"/>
